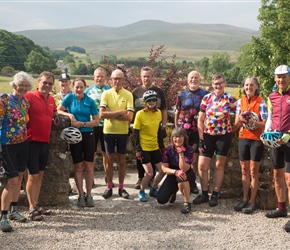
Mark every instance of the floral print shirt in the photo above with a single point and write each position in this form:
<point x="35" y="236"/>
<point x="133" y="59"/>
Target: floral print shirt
<point x="14" y="117"/>
<point x="171" y="157"/>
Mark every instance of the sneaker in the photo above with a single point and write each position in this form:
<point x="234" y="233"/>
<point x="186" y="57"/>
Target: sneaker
<point x="89" y="201"/>
<point x="5" y="226"/>
<point x="194" y="190"/>
<point x="249" y="209"/>
<point x="240" y="206"/>
<point x="186" y="208"/>
<point x="108" y="193"/>
<point x="276" y="213"/>
<point x="82" y="201"/>
<point x="138" y="184"/>
<point x="200" y="199"/>
<point x="15" y="215"/>
<point x="142" y="196"/>
<point x="286" y="227"/>
<point x="153" y="192"/>
<point x="213" y="202"/>
<point x="172" y="198"/>
<point x="123" y="193"/>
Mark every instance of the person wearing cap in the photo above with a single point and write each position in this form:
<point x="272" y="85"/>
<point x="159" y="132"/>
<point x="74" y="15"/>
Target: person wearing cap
<point x="64" y="85"/>
<point x="95" y="92"/>
<point x="146" y="77"/>
<point x="117" y="109"/>
<point x="41" y="113"/>
<point x="187" y="108"/>
<point x="279" y="119"/>
<point x="146" y="143"/>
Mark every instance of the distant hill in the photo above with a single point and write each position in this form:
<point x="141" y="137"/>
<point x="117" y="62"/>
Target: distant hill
<point x="187" y="40"/>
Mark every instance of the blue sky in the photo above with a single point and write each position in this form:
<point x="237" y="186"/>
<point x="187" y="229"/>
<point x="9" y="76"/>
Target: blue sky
<point x="29" y="15"/>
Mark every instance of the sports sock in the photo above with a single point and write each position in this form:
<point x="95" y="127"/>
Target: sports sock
<point x="13" y="206"/>
<point x="205" y="193"/>
<point x="214" y="193"/>
<point x="121" y="186"/>
<point x="282" y="205"/>
<point x="4" y="214"/>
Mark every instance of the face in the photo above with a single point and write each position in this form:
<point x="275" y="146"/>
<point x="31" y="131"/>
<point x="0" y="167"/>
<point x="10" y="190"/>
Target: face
<point x="79" y="88"/>
<point x="22" y="88"/>
<point x="219" y="86"/>
<point x="178" y="140"/>
<point x="45" y="85"/>
<point x="64" y="85"/>
<point x="193" y="80"/>
<point x="250" y="87"/>
<point x="117" y="79"/>
<point x="282" y="81"/>
<point x="151" y="103"/>
<point x="146" y="78"/>
<point x="100" y="78"/>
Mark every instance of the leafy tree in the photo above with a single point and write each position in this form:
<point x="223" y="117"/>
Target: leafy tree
<point x="220" y="62"/>
<point x="37" y="62"/>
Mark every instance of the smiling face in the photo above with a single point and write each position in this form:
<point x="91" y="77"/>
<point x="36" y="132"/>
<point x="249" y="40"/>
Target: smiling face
<point x="250" y="87"/>
<point x="178" y="140"/>
<point x="99" y="78"/>
<point x="117" y="79"/>
<point x="22" y="88"/>
<point x="45" y="84"/>
<point x="282" y="81"/>
<point x="218" y="85"/>
<point x="146" y="78"/>
<point x="151" y="104"/>
<point x="64" y="85"/>
<point x="193" y="80"/>
<point x="79" y="87"/>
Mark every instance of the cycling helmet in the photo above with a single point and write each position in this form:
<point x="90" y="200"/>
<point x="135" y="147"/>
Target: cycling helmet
<point x="149" y="95"/>
<point x="271" y="138"/>
<point x="246" y="116"/>
<point x="71" y="135"/>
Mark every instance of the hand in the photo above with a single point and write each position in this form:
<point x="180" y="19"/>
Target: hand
<point x="201" y="146"/>
<point x="180" y="174"/>
<point x="56" y="119"/>
<point x="139" y="155"/>
<point x="180" y="149"/>
<point x="130" y="131"/>
<point x="285" y="137"/>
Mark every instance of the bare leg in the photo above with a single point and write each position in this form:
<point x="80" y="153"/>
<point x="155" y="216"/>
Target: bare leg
<point x="219" y="173"/>
<point x="254" y="180"/>
<point x="280" y="187"/>
<point x="159" y="176"/>
<point x="121" y="167"/>
<point x="89" y="169"/>
<point x="148" y="175"/>
<point x="245" y="168"/>
<point x="203" y="166"/>
<point x="31" y="190"/>
<point x="7" y="193"/>
<point x="17" y="189"/>
<point x="79" y="168"/>
<point x="110" y="170"/>
<point x="184" y="188"/>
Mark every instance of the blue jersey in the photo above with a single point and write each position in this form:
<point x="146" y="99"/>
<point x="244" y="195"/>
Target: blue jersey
<point x="81" y="110"/>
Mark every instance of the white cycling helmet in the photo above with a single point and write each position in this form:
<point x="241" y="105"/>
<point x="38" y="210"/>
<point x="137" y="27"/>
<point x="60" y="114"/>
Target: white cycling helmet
<point x="247" y="115"/>
<point x="271" y="138"/>
<point x="71" y="135"/>
<point x="149" y="95"/>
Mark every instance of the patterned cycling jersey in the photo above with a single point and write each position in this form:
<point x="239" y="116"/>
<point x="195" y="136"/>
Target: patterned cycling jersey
<point x="95" y="92"/>
<point x="14" y="117"/>
<point x="188" y="103"/>
<point x="217" y="111"/>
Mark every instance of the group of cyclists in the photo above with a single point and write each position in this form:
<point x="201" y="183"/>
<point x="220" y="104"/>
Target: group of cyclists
<point x="203" y="128"/>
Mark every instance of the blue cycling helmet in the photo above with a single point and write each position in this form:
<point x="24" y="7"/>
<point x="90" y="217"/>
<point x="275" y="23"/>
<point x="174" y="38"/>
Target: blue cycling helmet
<point x="270" y="138"/>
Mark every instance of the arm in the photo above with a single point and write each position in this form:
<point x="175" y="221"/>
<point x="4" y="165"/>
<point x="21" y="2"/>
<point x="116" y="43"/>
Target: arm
<point x="166" y="169"/>
<point x="106" y="113"/>
<point x="269" y="120"/>
<point x="238" y="123"/>
<point x="60" y="110"/>
<point x="176" y="117"/>
<point x="164" y="117"/>
<point x="200" y="125"/>
<point x="126" y="117"/>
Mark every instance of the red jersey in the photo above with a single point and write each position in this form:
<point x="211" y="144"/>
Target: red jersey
<point x="40" y="116"/>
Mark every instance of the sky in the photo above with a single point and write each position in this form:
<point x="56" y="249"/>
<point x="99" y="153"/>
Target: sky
<point x="31" y="15"/>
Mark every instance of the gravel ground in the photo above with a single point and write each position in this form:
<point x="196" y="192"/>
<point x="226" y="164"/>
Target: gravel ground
<point x="129" y="224"/>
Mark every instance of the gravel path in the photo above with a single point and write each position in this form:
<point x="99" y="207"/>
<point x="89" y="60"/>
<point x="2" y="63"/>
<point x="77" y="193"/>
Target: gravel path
<point x="129" y="224"/>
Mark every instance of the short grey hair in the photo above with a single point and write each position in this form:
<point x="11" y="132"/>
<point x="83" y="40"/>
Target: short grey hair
<point x="101" y="70"/>
<point x="19" y="77"/>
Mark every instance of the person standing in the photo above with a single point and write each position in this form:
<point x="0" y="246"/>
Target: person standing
<point x="146" y="75"/>
<point x="13" y="133"/>
<point x="64" y="84"/>
<point x="146" y="130"/>
<point x="215" y="134"/>
<point x="279" y="119"/>
<point x="41" y="113"/>
<point x="80" y="109"/>
<point x="186" y="114"/>
<point x="251" y="116"/>
<point x="117" y="109"/>
<point x="95" y="92"/>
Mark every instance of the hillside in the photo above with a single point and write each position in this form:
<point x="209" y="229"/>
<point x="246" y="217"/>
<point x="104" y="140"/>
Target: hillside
<point x="187" y="40"/>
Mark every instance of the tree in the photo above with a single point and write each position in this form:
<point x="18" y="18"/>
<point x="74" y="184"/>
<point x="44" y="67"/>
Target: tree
<point x="37" y="62"/>
<point x="220" y="62"/>
<point x="272" y="48"/>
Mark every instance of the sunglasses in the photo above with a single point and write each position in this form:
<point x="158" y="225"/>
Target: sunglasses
<point x="47" y="83"/>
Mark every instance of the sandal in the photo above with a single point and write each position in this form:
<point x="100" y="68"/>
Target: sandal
<point x="34" y="215"/>
<point x="43" y="211"/>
